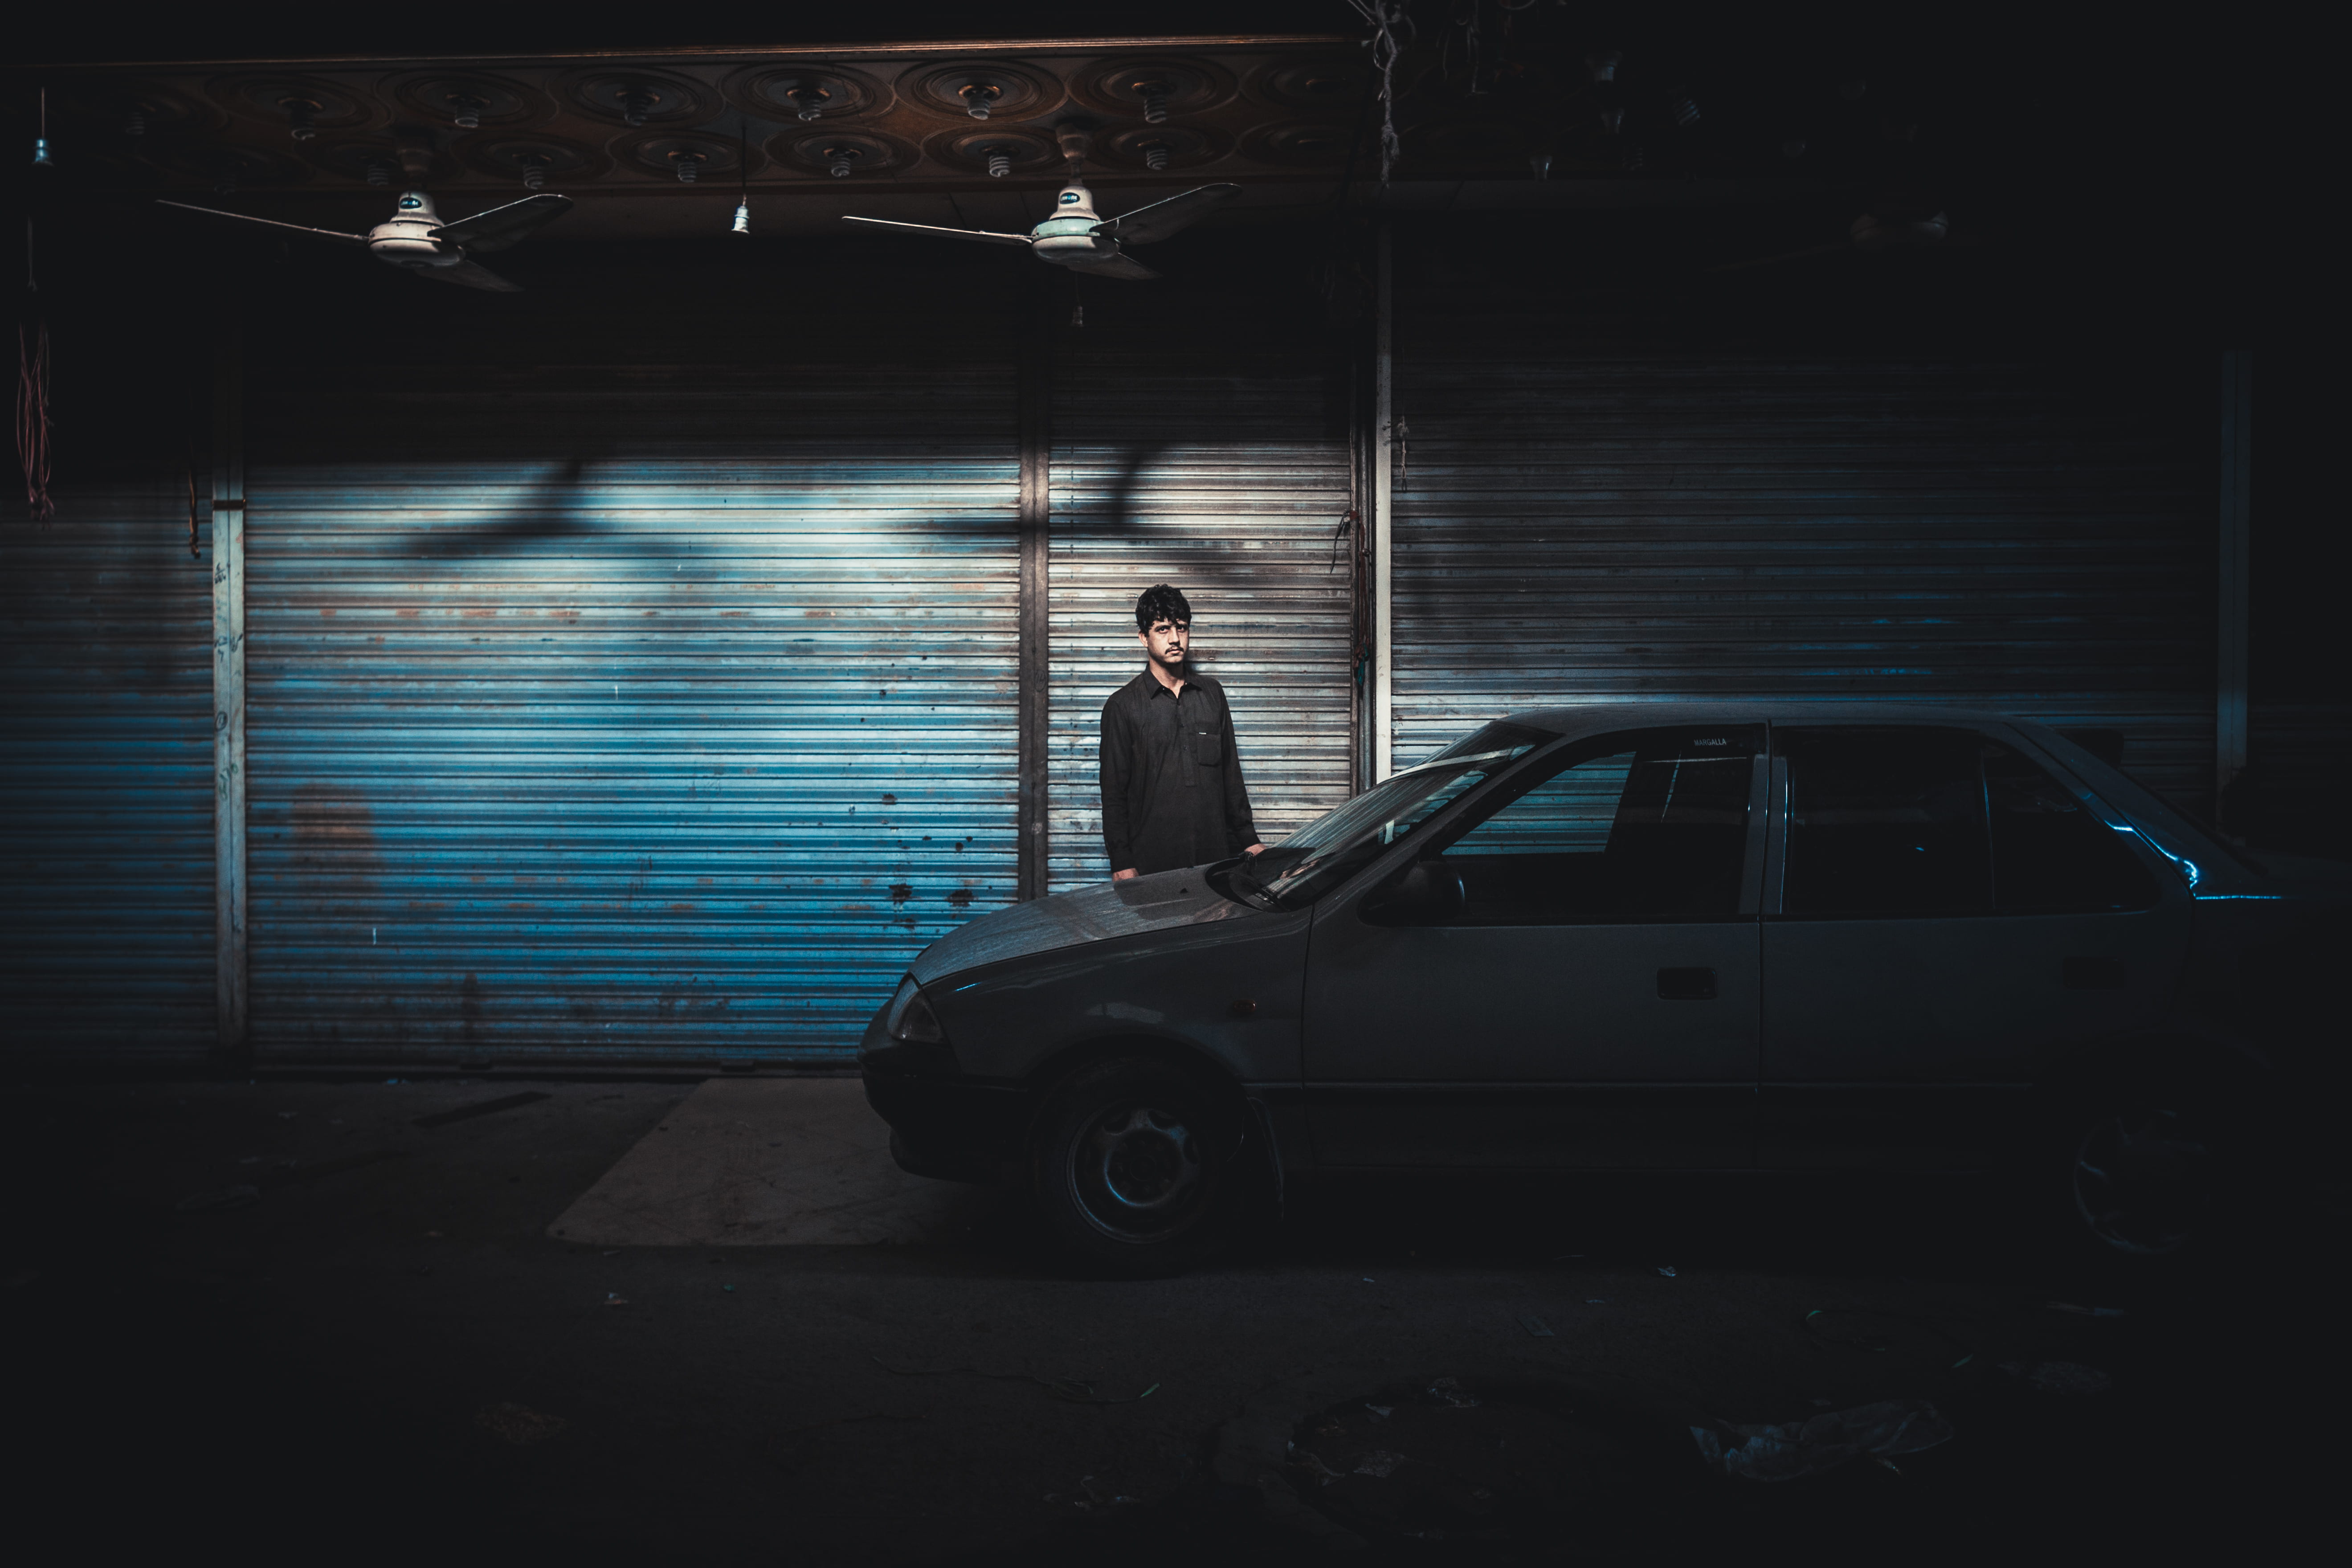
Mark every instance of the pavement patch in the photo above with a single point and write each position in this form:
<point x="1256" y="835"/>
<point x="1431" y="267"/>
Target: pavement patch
<point x="770" y="1162"/>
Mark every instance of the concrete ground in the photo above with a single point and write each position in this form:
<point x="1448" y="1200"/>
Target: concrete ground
<point x="670" y="1322"/>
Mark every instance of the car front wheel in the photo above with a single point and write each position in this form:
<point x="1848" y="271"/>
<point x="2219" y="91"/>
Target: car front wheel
<point x="1134" y="1162"/>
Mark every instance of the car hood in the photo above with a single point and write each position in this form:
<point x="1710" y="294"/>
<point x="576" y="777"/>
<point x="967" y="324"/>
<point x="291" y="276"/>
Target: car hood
<point x="1158" y="903"/>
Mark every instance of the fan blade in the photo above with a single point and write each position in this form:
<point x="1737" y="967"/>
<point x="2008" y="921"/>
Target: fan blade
<point x="980" y="234"/>
<point x="1161" y="219"/>
<point x="467" y="275"/>
<point x="266" y="222"/>
<point x="502" y="227"/>
<point x="1115" y="266"/>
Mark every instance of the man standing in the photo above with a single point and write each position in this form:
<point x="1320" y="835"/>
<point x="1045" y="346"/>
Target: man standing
<point x="1172" y="779"/>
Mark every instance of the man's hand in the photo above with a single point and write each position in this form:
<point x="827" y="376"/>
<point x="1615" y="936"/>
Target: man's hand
<point x="1255" y="850"/>
<point x="1123" y="876"/>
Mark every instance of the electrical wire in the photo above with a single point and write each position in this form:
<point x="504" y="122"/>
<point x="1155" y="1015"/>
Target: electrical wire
<point x="1385" y="18"/>
<point x="32" y="424"/>
<point x="743" y="174"/>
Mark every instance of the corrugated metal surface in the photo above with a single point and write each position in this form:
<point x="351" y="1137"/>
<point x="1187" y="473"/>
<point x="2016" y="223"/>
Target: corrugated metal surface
<point x="1199" y="440"/>
<point x="2292" y="797"/>
<point x="106" y="919"/>
<point x="642" y="712"/>
<point x="1590" y="520"/>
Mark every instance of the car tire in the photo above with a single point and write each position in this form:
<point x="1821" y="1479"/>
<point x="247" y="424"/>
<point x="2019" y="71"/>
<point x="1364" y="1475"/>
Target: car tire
<point x="1135" y="1164"/>
<point x="2139" y="1177"/>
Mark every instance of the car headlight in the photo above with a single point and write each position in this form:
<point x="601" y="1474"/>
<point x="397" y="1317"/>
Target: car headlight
<point x="911" y="1017"/>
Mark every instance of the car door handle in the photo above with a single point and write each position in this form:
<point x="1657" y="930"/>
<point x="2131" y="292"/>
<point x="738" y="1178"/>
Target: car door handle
<point x="1686" y="985"/>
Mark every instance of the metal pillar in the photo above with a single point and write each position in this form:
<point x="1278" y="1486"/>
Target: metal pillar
<point x="1037" y="389"/>
<point x="1384" y="481"/>
<point x="230" y="1014"/>
<point x="2230" y="707"/>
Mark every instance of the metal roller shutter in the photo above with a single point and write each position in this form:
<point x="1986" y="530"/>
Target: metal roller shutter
<point x="1216" y="460"/>
<point x="673" y="743"/>
<point x="1581" y="519"/>
<point x="109" y="789"/>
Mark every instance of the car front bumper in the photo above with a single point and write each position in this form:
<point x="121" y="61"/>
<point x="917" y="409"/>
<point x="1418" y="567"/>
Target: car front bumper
<point x="951" y="1128"/>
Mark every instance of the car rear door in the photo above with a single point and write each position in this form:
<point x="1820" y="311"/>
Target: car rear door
<point x="1942" y="918"/>
<point x="1590" y="1000"/>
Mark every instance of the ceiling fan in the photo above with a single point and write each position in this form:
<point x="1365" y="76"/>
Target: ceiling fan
<point x="416" y="239"/>
<point x="1077" y="238"/>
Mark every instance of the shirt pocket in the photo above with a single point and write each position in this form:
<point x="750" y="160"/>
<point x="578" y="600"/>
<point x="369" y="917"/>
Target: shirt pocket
<point x="1208" y="743"/>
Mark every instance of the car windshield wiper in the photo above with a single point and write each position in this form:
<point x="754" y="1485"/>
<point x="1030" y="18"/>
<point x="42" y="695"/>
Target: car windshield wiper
<point x="1242" y="888"/>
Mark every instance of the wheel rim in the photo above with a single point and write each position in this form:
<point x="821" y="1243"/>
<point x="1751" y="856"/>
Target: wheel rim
<point x="1139" y="1172"/>
<point x="2142" y="1181"/>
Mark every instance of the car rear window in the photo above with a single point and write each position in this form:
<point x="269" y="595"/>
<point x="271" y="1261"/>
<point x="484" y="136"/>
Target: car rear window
<point x="1913" y="822"/>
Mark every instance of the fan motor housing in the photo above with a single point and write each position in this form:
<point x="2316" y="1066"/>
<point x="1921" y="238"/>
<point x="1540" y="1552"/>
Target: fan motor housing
<point x="405" y="240"/>
<point x="1069" y="239"/>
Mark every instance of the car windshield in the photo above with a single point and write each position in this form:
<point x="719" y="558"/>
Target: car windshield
<point x="1330" y="849"/>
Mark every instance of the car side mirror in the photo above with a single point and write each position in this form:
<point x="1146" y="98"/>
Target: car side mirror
<point x="1428" y="892"/>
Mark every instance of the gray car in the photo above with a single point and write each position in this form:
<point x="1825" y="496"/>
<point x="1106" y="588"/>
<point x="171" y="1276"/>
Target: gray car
<point x="1654" y="937"/>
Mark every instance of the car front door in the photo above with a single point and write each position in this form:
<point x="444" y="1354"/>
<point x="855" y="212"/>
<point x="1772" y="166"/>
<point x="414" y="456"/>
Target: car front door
<point x="1565" y="976"/>
<point x="1942" y="915"/>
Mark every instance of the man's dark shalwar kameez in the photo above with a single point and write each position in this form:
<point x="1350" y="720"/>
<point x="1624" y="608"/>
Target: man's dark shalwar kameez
<point x="1172" y="779"/>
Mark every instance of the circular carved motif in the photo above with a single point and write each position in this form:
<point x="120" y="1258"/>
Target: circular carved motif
<point x="635" y="97"/>
<point x="230" y="169"/>
<point x="808" y="94"/>
<point x="1301" y="146"/>
<point x="507" y="157"/>
<point x="664" y="152"/>
<point x="862" y="153"/>
<point x="378" y="161"/>
<point x="1007" y="91"/>
<point x="1327" y="84"/>
<point x="136" y="110"/>
<point x="1026" y="152"/>
<point x="1181" y="146"/>
<point x="450" y="99"/>
<point x="1129" y="89"/>
<point x="297" y="103"/>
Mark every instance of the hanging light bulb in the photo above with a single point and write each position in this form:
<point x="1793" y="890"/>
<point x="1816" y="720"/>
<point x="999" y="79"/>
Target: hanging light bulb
<point x="743" y="216"/>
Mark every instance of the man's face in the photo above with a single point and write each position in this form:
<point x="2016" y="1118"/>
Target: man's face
<point x="1167" y="644"/>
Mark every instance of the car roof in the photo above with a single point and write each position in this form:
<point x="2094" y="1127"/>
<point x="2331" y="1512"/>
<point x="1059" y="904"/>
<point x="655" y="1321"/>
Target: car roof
<point x="1585" y="718"/>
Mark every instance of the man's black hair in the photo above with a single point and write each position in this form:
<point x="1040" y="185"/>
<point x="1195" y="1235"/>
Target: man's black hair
<point x="1160" y="603"/>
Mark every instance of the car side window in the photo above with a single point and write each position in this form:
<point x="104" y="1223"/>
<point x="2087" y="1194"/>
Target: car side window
<point x="1640" y="826"/>
<point x="1884" y="822"/>
<point x="1896" y="822"/>
<point x="2051" y="853"/>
